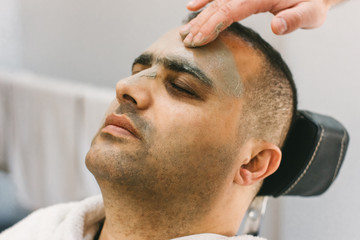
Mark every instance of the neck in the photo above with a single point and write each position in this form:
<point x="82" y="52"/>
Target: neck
<point x="131" y="216"/>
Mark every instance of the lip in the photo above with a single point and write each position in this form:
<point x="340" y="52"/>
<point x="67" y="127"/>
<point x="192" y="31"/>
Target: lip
<point x="120" y="126"/>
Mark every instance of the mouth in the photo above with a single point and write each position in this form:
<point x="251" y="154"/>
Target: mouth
<point x="119" y="126"/>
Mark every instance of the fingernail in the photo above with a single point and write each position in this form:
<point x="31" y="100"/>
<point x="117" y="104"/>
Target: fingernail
<point x="188" y="39"/>
<point x="198" y="38"/>
<point x="191" y="3"/>
<point x="184" y="30"/>
<point x="281" y="25"/>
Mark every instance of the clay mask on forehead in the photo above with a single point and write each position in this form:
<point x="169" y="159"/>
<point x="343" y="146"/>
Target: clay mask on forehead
<point x="214" y="59"/>
<point x="149" y="73"/>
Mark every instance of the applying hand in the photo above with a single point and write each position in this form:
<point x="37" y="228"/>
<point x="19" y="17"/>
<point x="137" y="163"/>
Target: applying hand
<point x="289" y="16"/>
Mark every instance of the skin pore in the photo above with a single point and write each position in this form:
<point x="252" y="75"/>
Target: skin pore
<point x="189" y="171"/>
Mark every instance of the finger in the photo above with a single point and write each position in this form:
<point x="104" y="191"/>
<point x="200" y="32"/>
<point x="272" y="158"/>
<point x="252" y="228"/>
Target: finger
<point x="303" y="15"/>
<point x="195" y="5"/>
<point x="210" y="31"/>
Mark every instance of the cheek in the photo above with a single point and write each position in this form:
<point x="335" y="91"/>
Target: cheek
<point x="205" y="124"/>
<point x="186" y="120"/>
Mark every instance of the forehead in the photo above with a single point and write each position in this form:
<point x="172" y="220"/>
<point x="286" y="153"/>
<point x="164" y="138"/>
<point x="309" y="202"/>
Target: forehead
<point x="216" y="60"/>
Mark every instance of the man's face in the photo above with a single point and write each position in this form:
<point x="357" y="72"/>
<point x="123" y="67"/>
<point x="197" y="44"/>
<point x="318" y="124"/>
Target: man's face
<point x="184" y="105"/>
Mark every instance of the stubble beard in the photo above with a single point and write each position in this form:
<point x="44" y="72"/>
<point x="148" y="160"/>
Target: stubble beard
<point x="166" y="175"/>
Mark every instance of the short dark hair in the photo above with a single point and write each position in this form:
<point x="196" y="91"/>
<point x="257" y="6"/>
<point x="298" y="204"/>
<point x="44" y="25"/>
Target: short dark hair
<point x="270" y="96"/>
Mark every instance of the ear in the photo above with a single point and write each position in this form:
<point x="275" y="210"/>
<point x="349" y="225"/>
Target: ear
<point x="264" y="160"/>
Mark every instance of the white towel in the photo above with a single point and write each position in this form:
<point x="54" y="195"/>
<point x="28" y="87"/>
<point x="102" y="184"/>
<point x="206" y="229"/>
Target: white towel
<point x="70" y="221"/>
<point x="49" y="138"/>
<point x="75" y="221"/>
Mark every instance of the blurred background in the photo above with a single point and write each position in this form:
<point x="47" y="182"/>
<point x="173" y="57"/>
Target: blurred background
<point x="60" y="60"/>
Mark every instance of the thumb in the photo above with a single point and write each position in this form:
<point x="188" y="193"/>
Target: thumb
<point x="304" y="15"/>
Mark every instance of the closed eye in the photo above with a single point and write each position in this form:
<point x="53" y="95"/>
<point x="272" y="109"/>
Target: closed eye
<point x="180" y="88"/>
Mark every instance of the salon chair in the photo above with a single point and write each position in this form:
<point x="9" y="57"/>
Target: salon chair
<point x="313" y="153"/>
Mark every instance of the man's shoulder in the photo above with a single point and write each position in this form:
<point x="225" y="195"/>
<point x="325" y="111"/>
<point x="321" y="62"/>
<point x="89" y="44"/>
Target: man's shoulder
<point x="57" y="219"/>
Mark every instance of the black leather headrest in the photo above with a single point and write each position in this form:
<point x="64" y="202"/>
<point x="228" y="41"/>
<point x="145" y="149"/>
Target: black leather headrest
<point x="312" y="156"/>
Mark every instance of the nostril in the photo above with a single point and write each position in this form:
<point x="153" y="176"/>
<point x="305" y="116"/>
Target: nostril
<point x="129" y="98"/>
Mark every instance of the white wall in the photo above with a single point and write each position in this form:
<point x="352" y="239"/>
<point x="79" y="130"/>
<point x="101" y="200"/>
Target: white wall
<point x="96" y="41"/>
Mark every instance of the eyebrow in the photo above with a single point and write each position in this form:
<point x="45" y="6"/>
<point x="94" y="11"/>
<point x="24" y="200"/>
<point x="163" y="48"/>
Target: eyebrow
<point x="176" y="64"/>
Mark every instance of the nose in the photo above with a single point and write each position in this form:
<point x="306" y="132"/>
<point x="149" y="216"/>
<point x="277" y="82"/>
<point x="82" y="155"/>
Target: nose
<point x="134" y="90"/>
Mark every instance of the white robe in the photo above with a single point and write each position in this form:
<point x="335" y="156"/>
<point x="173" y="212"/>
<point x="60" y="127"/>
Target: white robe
<point x="75" y="221"/>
